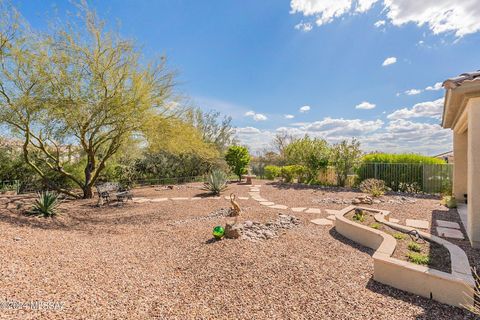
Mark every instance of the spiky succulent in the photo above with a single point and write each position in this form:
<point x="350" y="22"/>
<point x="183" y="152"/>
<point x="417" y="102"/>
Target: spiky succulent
<point x="46" y="204"/>
<point x="216" y="182"/>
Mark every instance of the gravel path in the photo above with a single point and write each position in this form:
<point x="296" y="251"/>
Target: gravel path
<point x="136" y="262"/>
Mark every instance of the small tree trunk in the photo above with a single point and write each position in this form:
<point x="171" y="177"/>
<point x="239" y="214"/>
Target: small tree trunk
<point x="87" y="192"/>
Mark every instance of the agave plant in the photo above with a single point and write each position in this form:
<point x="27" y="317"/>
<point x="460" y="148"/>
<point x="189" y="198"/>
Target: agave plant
<point x="216" y="182"/>
<point x="46" y="204"/>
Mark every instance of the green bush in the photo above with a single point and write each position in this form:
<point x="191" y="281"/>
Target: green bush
<point x="216" y="182"/>
<point x="375" y="225"/>
<point x="399" y="236"/>
<point x="289" y="173"/>
<point x="46" y="204"/>
<point x="238" y="158"/>
<point x="272" y="172"/>
<point x="400" y="158"/>
<point x="418" y="258"/>
<point x="374" y="187"/>
<point x="413" y="246"/>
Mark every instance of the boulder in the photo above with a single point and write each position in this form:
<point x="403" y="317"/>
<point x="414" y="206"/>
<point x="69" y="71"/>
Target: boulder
<point x="233" y="230"/>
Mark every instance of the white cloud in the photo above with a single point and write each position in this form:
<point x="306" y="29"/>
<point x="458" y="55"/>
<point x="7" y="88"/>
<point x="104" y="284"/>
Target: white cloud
<point x="379" y="23"/>
<point x="389" y="61"/>
<point x="437" y="86"/>
<point x="413" y="92"/>
<point x="304" y="109"/>
<point x="304" y="26"/>
<point x="289" y="116"/>
<point x="440" y="16"/>
<point x="365" y="106"/>
<point x="428" y="109"/>
<point x="256" y="116"/>
<point x="399" y="135"/>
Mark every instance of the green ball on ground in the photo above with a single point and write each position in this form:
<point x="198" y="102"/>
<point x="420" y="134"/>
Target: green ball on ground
<point x="218" y="232"/>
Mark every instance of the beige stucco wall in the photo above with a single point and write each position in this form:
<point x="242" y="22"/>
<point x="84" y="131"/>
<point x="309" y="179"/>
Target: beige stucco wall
<point x="473" y="228"/>
<point x="460" y="149"/>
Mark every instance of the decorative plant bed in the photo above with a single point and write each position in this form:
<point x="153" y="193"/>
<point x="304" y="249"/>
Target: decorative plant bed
<point x="454" y="288"/>
<point x="409" y="247"/>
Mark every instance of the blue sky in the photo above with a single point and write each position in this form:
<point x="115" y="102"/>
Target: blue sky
<point x="259" y="61"/>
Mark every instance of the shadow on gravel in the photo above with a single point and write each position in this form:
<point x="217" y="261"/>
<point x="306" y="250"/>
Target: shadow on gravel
<point x="431" y="309"/>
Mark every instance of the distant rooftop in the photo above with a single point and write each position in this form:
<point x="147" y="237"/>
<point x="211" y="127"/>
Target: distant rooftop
<point x="452" y="83"/>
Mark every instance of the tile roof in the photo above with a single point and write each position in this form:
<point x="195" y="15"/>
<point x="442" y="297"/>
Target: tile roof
<point x="458" y="81"/>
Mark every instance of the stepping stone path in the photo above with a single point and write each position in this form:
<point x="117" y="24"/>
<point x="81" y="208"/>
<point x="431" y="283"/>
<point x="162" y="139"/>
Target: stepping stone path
<point x="243" y="198"/>
<point x="331" y="212"/>
<point x="322" y="222"/>
<point x="331" y="217"/>
<point x="419" y="224"/>
<point x="267" y="203"/>
<point x="393" y="220"/>
<point x="447" y="224"/>
<point x="314" y="210"/>
<point x="298" y="209"/>
<point x="158" y="199"/>
<point x="450" y="233"/>
<point x="180" y="199"/>
<point x="279" y="206"/>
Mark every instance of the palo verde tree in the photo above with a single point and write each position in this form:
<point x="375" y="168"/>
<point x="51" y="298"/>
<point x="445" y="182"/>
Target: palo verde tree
<point x="79" y="86"/>
<point x="237" y="158"/>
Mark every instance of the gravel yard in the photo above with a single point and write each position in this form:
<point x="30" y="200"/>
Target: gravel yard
<point x="157" y="260"/>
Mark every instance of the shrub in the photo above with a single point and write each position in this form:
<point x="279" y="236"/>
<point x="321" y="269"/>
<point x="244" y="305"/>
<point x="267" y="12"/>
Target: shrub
<point x="359" y="215"/>
<point x="345" y="156"/>
<point x="409" y="187"/>
<point x="216" y="182"/>
<point x="399" y="236"/>
<point x="413" y="246"/>
<point x="449" y="201"/>
<point x="374" y="187"/>
<point x="289" y="173"/>
<point x="400" y="158"/>
<point x="375" y="225"/>
<point x="46" y="204"/>
<point x="272" y="172"/>
<point x="238" y="158"/>
<point x="313" y="154"/>
<point x="418" y="258"/>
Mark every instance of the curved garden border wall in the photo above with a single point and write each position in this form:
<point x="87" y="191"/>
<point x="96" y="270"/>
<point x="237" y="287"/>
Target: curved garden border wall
<point x="455" y="288"/>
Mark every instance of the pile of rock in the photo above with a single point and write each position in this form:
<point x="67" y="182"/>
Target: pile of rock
<point x="366" y="200"/>
<point x="402" y="200"/>
<point x="255" y="231"/>
<point x="333" y="201"/>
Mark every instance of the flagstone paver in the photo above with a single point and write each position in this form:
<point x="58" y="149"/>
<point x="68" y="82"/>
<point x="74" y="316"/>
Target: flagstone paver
<point x="159" y="199"/>
<point x="322" y="222"/>
<point x="243" y="198"/>
<point x="394" y="220"/>
<point x="267" y="203"/>
<point x="447" y="224"/>
<point x="419" y="224"/>
<point x="450" y="233"/>
<point x="313" y="210"/>
<point x="298" y="209"/>
<point x="331" y="217"/>
<point x="279" y="206"/>
<point x="331" y="212"/>
<point x="196" y="198"/>
<point x="179" y="198"/>
<point x="254" y="190"/>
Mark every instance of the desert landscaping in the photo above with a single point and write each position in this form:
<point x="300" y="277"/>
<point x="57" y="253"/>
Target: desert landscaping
<point x="157" y="259"/>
